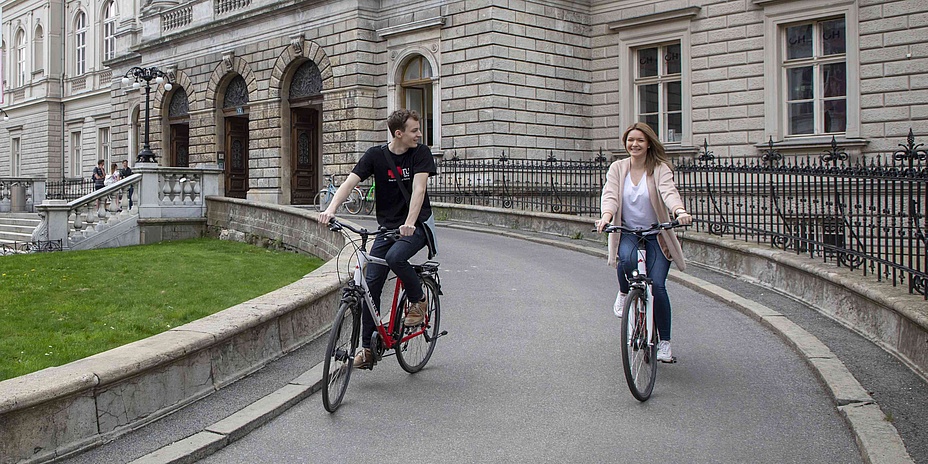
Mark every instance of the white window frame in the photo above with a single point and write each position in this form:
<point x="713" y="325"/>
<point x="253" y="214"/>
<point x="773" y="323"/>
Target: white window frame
<point x="661" y="79"/>
<point x="109" y="30"/>
<point x="424" y="85"/>
<point x="777" y="16"/>
<point x="103" y="145"/>
<point x="650" y="33"/>
<point x="20" y="54"/>
<point x="395" y="80"/>
<point x="80" y="43"/>
<point x="16" y="157"/>
<point x="76" y="167"/>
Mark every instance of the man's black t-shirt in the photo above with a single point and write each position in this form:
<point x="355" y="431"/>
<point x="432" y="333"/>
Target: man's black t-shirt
<point x="392" y="206"/>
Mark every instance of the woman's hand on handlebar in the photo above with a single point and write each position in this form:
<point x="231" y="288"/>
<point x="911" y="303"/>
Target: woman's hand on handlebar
<point x="604" y="221"/>
<point x="684" y="218"/>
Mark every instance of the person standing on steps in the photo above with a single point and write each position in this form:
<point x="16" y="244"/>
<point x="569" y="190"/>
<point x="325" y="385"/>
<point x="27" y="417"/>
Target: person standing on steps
<point x="640" y="191"/>
<point x="402" y="166"/>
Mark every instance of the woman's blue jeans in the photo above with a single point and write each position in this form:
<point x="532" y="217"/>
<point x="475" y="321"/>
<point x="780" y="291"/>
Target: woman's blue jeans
<point x="397" y="253"/>
<point x="657" y="266"/>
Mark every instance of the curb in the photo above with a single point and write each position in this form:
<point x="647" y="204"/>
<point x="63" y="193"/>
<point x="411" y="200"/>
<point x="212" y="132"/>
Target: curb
<point x="877" y="439"/>
<point x="217" y="436"/>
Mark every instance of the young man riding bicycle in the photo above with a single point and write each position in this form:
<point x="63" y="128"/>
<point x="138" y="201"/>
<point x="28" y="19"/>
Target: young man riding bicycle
<point x="413" y="163"/>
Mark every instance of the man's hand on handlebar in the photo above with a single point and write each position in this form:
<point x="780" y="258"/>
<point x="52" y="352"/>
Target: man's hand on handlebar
<point x="406" y="230"/>
<point x="326" y="217"/>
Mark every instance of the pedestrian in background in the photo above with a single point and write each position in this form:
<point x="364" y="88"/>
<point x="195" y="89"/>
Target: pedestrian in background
<point x="125" y="172"/>
<point x="99" y="176"/>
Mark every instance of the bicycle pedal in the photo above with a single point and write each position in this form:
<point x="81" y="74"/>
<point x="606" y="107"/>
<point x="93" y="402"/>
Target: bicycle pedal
<point x="673" y="360"/>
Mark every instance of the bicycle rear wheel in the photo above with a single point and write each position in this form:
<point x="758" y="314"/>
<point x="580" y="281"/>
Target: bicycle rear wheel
<point x="322" y="200"/>
<point x="415" y="352"/>
<point x="353" y="203"/>
<point x="639" y="357"/>
<point x="339" y="356"/>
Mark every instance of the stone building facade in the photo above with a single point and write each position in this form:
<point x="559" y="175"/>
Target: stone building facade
<point x="280" y="93"/>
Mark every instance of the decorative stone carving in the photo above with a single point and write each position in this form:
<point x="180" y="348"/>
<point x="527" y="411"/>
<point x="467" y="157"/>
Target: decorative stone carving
<point x="227" y="59"/>
<point x="296" y="42"/>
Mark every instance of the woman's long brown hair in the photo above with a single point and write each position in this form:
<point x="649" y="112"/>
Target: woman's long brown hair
<point x="655" y="154"/>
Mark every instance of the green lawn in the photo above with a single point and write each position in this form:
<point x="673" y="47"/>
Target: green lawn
<point x="59" y="307"/>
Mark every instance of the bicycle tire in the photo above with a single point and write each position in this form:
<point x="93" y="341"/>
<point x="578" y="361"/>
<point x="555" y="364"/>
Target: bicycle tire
<point x="353" y="203"/>
<point x="339" y="356"/>
<point x="369" y="202"/>
<point x="639" y="358"/>
<point x="414" y="354"/>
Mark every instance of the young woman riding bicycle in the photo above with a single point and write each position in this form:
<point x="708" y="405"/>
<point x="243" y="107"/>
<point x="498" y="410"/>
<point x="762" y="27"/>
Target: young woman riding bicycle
<point x="640" y="191"/>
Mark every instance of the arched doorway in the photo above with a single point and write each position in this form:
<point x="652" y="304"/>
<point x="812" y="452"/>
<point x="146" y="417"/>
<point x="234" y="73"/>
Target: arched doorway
<point x="179" y="120"/>
<point x="235" y="112"/>
<point x="305" y="99"/>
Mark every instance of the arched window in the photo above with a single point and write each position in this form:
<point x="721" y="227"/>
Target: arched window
<point x="109" y="30"/>
<point x="38" y="49"/>
<point x="21" y="71"/>
<point x="80" y="44"/>
<point x="416" y="93"/>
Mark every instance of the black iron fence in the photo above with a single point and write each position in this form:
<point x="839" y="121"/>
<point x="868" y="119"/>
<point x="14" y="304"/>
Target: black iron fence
<point x="38" y="246"/>
<point x="551" y="185"/>
<point x="868" y="215"/>
<point x="68" y="189"/>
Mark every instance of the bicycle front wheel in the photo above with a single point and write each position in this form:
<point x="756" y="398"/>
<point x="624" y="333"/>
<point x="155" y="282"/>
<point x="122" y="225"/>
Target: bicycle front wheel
<point x="339" y="356"/>
<point x="415" y="344"/>
<point x="353" y="203"/>
<point x="639" y="355"/>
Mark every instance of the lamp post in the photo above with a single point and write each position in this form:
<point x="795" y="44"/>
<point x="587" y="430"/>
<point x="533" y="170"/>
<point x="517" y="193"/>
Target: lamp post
<point x="6" y="117"/>
<point x="147" y="75"/>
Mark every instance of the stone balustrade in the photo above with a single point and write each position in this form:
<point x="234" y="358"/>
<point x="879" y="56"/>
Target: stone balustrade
<point x="20" y="194"/>
<point x="167" y="203"/>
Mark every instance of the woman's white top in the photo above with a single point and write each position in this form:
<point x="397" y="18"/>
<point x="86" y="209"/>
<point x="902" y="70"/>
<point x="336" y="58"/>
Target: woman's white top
<point x="636" y="204"/>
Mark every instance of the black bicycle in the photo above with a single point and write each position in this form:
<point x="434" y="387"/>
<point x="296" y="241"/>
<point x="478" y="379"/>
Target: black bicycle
<point x="639" y="335"/>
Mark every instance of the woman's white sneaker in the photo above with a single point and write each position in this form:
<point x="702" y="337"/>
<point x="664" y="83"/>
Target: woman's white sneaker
<point x="619" y="304"/>
<point x="663" y="351"/>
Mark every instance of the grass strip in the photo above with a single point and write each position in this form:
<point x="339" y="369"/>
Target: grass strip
<point x="59" y="307"/>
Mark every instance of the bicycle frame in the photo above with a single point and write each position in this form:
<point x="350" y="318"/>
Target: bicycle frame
<point x="359" y="284"/>
<point x="642" y="281"/>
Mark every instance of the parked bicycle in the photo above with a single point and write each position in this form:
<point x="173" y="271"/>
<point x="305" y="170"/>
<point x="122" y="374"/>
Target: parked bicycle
<point x="640" y="336"/>
<point x="369" y="199"/>
<point x="326" y="194"/>
<point x="413" y="346"/>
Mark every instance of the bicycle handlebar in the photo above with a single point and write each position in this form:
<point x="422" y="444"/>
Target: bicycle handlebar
<point x="610" y="229"/>
<point x="335" y="225"/>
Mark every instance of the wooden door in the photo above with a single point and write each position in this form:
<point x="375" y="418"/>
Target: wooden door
<point x="236" y="157"/>
<point x="180" y="145"/>
<point x="304" y="153"/>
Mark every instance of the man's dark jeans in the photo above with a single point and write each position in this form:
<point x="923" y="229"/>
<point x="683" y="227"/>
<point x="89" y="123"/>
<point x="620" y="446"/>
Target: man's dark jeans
<point x="397" y="253"/>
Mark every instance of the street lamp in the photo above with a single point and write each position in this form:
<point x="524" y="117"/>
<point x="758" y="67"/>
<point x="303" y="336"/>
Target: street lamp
<point x="147" y="75"/>
<point x="6" y="117"/>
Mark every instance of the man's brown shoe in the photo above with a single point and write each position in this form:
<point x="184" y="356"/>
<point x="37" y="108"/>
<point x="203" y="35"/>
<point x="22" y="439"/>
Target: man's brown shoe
<point x="415" y="315"/>
<point x="364" y="359"/>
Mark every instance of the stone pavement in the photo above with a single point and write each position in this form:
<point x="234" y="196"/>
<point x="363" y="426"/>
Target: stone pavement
<point x="871" y="374"/>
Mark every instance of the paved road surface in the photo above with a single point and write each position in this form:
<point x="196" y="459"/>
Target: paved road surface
<point x="530" y="372"/>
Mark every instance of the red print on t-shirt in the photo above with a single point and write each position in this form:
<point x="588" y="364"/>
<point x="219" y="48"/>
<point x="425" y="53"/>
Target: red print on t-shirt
<point x="398" y="168"/>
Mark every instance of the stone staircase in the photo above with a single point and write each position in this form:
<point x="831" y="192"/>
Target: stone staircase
<point x="17" y="227"/>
